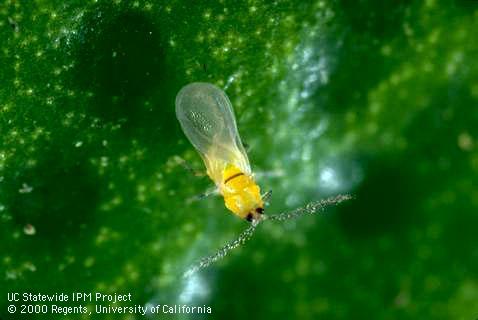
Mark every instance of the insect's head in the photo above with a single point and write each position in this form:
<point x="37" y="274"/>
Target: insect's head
<point x="255" y="214"/>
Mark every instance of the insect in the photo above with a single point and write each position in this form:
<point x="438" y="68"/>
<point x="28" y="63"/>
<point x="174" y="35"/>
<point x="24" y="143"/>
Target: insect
<point x="207" y="119"/>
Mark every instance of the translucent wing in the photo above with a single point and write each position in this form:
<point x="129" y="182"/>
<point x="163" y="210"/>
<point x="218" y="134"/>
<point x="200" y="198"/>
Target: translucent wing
<point x="206" y="117"/>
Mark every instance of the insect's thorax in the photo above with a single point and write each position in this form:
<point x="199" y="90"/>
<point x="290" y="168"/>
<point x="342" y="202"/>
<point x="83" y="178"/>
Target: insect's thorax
<point x="241" y="194"/>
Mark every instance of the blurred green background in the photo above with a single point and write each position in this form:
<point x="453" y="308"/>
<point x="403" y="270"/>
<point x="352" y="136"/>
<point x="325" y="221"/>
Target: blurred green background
<point x="373" y="98"/>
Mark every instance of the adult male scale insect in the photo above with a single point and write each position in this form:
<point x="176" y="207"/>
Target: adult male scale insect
<point x="207" y="119"/>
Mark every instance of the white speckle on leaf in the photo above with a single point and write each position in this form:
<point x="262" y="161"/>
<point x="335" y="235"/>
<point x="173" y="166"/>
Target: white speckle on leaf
<point x="29" y="230"/>
<point x="25" y="188"/>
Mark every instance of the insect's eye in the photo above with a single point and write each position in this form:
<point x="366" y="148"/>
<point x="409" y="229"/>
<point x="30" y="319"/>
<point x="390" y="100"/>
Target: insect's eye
<point x="260" y="210"/>
<point x="249" y="217"/>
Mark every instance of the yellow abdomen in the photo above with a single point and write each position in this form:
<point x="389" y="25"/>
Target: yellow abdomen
<point x="241" y="194"/>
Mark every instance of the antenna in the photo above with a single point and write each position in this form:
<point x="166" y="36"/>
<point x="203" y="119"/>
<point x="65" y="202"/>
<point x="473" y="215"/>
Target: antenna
<point x="221" y="253"/>
<point x="310" y="208"/>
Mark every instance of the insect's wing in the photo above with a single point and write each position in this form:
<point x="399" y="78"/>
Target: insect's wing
<point x="206" y="117"/>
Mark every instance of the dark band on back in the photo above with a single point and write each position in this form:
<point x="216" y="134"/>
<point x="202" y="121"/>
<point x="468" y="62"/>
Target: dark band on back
<point x="233" y="176"/>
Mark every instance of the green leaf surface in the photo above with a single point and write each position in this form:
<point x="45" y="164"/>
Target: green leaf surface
<point x="373" y="98"/>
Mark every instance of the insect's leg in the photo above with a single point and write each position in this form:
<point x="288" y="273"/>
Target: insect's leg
<point x="183" y="163"/>
<point x="275" y="173"/>
<point x="232" y="78"/>
<point x="247" y="147"/>
<point x="210" y="191"/>
<point x="266" y="197"/>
